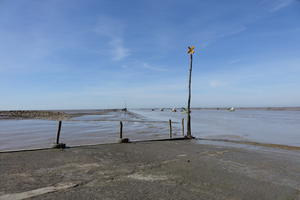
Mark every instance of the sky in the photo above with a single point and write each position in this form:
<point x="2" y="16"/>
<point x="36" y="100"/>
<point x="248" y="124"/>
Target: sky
<point x="88" y="54"/>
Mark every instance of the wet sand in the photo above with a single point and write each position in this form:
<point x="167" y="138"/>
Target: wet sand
<point x="51" y="114"/>
<point x="278" y="146"/>
<point x="151" y="170"/>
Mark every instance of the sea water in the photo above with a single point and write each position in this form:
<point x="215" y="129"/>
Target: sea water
<point x="276" y="127"/>
<point x="266" y="126"/>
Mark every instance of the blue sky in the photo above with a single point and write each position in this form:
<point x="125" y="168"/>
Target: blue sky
<point x="100" y="53"/>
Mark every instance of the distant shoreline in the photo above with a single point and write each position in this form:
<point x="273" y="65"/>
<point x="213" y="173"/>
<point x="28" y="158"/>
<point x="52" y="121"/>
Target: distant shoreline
<point x="51" y="114"/>
<point x="68" y="114"/>
<point x="236" y="108"/>
<point x="99" y="110"/>
<point x="252" y="108"/>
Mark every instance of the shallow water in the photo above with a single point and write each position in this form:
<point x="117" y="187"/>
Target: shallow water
<point x="83" y="130"/>
<point x="277" y="127"/>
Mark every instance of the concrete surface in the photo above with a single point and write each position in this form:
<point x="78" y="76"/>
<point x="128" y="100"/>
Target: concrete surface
<point x="151" y="170"/>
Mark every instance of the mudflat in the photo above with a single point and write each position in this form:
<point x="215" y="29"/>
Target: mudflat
<point x="181" y="169"/>
<point x="51" y="114"/>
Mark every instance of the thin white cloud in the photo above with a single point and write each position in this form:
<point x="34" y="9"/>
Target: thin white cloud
<point x="214" y="33"/>
<point x="281" y="4"/>
<point x="276" y="5"/>
<point x="118" y="50"/>
<point x="153" y="68"/>
<point x="232" y="62"/>
<point x="138" y="65"/>
<point x="113" y="29"/>
<point x="216" y="83"/>
<point x="231" y="32"/>
<point x="109" y="27"/>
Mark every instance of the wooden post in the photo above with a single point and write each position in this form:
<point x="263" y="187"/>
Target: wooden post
<point x="189" y="131"/>
<point x="122" y="140"/>
<point x="182" y="123"/>
<point x="121" y="130"/>
<point x="170" y="124"/>
<point x="58" y="132"/>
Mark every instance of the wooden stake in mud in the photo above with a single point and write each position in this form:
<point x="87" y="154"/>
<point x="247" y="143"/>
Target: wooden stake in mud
<point x="121" y="129"/>
<point x="58" y="132"/>
<point x="170" y="124"/>
<point x="122" y="140"/>
<point x="59" y="145"/>
<point x="191" y="51"/>
<point x="182" y="124"/>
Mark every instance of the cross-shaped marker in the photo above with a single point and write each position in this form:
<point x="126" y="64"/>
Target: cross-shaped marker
<point x="191" y="50"/>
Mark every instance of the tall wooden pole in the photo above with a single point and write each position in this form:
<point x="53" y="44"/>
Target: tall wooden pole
<point x="189" y="131"/>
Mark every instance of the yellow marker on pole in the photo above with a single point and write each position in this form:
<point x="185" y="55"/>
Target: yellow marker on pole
<point x="191" y="50"/>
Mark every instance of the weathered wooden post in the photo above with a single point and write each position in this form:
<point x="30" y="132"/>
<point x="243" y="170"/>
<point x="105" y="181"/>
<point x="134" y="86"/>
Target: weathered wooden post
<point x="122" y="140"/>
<point x="170" y="124"/>
<point x="59" y="145"/>
<point x="121" y="130"/>
<point x="182" y="124"/>
<point x="191" y="51"/>
<point x="58" y="132"/>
